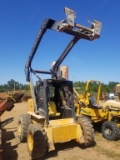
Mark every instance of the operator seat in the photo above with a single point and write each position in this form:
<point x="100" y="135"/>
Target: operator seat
<point x="52" y="109"/>
<point x="93" y="103"/>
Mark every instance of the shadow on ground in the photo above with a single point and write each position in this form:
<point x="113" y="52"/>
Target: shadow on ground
<point x="97" y="127"/>
<point x="6" y="121"/>
<point x="64" y="147"/>
<point x="9" y="150"/>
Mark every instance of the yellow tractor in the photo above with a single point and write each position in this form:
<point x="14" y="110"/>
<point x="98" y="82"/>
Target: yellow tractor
<point x="108" y="112"/>
<point x="50" y="116"/>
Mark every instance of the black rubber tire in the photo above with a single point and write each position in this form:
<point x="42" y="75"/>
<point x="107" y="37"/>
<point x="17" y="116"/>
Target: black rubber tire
<point x="87" y="117"/>
<point x="23" y="124"/>
<point x="110" y="131"/>
<point x="37" y="141"/>
<point x="88" y="131"/>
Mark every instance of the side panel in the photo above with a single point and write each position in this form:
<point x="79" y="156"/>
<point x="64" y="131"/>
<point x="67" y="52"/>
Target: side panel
<point x="30" y="107"/>
<point x="63" y="130"/>
<point x="95" y="114"/>
<point x="66" y="133"/>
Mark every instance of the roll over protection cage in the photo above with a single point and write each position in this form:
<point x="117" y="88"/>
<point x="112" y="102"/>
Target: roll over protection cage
<point x="69" y="27"/>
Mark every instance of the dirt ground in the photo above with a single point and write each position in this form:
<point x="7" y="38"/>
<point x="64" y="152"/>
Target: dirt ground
<point x="14" y="150"/>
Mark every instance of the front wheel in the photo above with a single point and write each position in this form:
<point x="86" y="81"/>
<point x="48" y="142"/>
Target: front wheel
<point x="110" y="131"/>
<point x="87" y="129"/>
<point x="87" y="117"/>
<point x="23" y="124"/>
<point x="36" y="141"/>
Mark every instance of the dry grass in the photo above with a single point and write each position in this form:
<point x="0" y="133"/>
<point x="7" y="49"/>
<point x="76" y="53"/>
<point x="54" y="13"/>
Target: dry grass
<point x="108" y="148"/>
<point x="103" y="150"/>
<point x="4" y="95"/>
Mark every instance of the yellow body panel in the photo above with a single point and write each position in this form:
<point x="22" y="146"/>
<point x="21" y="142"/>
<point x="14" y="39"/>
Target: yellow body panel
<point x="99" y="114"/>
<point x="95" y="114"/>
<point x="113" y="105"/>
<point x="118" y="125"/>
<point x="65" y="133"/>
<point x="58" y="130"/>
<point x="63" y="130"/>
<point x="52" y="109"/>
<point x="59" y="122"/>
<point x="30" y="107"/>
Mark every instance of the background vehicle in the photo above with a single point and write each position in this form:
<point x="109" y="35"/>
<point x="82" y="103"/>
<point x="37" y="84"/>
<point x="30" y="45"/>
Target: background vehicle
<point x="108" y="113"/>
<point x="117" y="91"/>
<point x="7" y="105"/>
<point x="51" y="114"/>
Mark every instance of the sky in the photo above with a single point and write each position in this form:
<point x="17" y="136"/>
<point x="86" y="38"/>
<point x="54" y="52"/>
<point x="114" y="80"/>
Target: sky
<point x="20" y="22"/>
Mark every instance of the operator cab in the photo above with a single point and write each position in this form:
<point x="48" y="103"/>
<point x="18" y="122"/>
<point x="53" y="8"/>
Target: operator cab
<point x="54" y="98"/>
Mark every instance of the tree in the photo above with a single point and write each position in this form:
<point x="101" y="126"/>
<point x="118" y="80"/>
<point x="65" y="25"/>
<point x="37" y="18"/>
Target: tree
<point x="111" y="86"/>
<point x="11" y="84"/>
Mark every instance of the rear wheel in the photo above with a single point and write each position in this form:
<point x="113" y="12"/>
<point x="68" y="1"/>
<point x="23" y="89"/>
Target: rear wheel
<point x="36" y="141"/>
<point x="87" y="117"/>
<point x="110" y="130"/>
<point x="88" y="131"/>
<point x="23" y="124"/>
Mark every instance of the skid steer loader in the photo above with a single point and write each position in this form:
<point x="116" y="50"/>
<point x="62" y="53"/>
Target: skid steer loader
<point x="108" y="113"/>
<point x="50" y="117"/>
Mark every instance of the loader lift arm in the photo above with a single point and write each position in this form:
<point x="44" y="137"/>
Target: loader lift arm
<point x="69" y="27"/>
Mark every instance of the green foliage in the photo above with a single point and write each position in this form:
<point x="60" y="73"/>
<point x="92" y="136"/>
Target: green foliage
<point x="112" y="85"/>
<point x="80" y="86"/>
<point x="13" y="85"/>
<point x="106" y="88"/>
